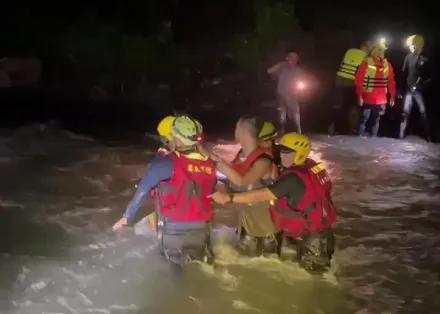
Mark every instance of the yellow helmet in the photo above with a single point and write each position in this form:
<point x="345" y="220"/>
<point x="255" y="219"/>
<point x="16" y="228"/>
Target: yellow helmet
<point x="298" y="143"/>
<point x="379" y="45"/>
<point x="187" y="129"/>
<point x="415" y="40"/>
<point x="378" y="50"/>
<point x="164" y="127"/>
<point x="268" y="132"/>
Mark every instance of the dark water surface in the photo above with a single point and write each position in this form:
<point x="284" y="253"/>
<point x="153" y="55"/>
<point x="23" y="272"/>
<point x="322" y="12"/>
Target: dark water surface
<point x="61" y="192"/>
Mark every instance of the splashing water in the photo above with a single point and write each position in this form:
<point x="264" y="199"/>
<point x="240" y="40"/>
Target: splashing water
<point x="62" y="192"/>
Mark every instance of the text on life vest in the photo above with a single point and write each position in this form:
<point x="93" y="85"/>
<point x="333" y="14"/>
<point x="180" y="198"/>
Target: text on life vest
<point x="199" y="169"/>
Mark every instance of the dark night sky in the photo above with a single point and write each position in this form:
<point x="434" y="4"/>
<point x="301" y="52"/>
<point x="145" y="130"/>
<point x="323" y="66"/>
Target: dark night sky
<point x="205" y="17"/>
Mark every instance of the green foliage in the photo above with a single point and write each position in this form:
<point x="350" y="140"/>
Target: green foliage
<point x="273" y="22"/>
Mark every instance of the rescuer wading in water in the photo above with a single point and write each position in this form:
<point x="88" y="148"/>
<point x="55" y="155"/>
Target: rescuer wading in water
<point x="302" y="207"/>
<point x="184" y="178"/>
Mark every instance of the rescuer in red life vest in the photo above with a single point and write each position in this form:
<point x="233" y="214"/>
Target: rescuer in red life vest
<point x="267" y="137"/>
<point x="164" y="131"/>
<point x="374" y="80"/>
<point x="302" y="207"/>
<point x="184" y="178"/>
<point x="252" y="168"/>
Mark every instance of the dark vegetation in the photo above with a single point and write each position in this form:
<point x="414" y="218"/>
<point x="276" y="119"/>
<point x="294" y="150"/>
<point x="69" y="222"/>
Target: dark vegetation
<point x="124" y="64"/>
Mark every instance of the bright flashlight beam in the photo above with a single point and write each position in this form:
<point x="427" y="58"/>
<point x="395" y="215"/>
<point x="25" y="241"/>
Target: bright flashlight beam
<point x="383" y="40"/>
<point x="301" y="85"/>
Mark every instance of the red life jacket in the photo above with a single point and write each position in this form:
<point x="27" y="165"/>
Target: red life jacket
<point x="316" y="212"/>
<point x="243" y="167"/>
<point x="320" y="172"/>
<point x="161" y="152"/>
<point x="184" y="198"/>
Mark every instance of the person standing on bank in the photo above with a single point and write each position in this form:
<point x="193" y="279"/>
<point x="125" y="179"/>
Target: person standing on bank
<point x="344" y="109"/>
<point x="373" y="80"/>
<point x="288" y="75"/>
<point x="415" y="78"/>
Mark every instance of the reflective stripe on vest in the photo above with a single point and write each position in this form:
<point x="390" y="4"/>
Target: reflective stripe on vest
<point x="350" y="63"/>
<point x="371" y="81"/>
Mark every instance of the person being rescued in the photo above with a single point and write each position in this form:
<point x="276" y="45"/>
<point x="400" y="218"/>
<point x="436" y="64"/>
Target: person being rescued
<point x="184" y="179"/>
<point x="302" y="207"/>
<point x="252" y="168"/>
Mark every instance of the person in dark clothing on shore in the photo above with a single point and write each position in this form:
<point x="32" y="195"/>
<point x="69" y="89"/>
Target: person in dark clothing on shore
<point x="415" y="77"/>
<point x="344" y="110"/>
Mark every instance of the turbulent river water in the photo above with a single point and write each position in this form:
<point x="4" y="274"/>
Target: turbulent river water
<point x="60" y="193"/>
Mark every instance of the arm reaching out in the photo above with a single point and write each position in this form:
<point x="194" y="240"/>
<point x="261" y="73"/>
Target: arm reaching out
<point x="160" y="169"/>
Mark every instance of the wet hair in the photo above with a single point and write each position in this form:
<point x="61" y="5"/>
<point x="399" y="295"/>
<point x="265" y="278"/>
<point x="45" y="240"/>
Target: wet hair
<point x="254" y="124"/>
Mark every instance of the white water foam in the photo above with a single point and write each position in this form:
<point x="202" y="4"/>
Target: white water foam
<point x="387" y="235"/>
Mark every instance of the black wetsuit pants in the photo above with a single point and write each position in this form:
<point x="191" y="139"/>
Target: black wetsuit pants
<point x="408" y="101"/>
<point x="257" y="246"/>
<point x="314" y="251"/>
<point x="343" y="114"/>
<point x="182" y="244"/>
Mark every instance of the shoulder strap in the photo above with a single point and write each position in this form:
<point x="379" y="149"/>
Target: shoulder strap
<point x="237" y="157"/>
<point x="288" y="171"/>
<point x="259" y="152"/>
